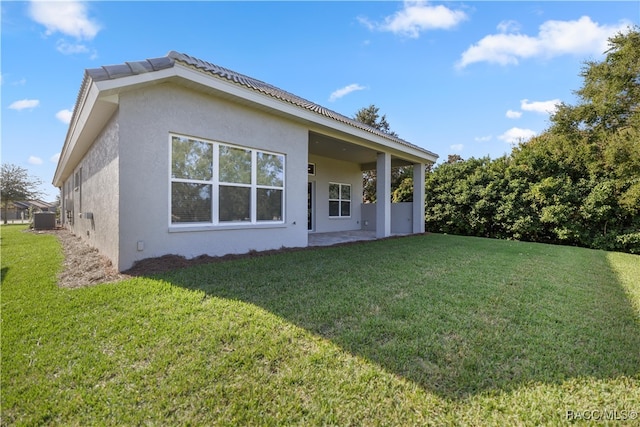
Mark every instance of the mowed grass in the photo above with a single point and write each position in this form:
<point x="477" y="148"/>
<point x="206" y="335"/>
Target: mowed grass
<point x="421" y="330"/>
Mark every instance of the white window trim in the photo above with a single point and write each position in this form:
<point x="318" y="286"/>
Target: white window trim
<point x="340" y="200"/>
<point x="215" y="182"/>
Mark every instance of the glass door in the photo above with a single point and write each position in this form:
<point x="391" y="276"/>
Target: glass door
<point x="310" y="206"/>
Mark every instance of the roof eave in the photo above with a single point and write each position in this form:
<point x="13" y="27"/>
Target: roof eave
<point x="96" y="103"/>
<point x="98" y="99"/>
<point x="74" y="125"/>
<point x="299" y="113"/>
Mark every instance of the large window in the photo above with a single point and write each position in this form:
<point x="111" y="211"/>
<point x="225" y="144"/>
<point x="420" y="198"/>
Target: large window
<point x="339" y="200"/>
<point x="218" y="183"/>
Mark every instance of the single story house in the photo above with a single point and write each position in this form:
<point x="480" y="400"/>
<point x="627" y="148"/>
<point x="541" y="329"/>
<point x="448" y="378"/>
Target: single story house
<point x="23" y="209"/>
<point x="175" y="155"/>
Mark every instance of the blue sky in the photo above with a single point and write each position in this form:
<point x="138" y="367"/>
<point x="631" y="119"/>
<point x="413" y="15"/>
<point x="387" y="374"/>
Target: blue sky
<point x="468" y="78"/>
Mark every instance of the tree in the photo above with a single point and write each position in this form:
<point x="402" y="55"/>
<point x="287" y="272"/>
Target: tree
<point x="371" y="117"/>
<point x="16" y="185"/>
<point x="403" y="191"/>
<point x="454" y="158"/>
<point x="578" y="183"/>
<point x="401" y="176"/>
<point x="603" y="128"/>
<point x="463" y="197"/>
<point x="611" y="92"/>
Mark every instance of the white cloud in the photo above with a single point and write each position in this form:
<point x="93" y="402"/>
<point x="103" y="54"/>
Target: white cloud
<point x="513" y="114"/>
<point x="337" y="94"/>
<point x="543" y="107"/>
<point x="3" y="80"/>
<point x="554" y="38"/>
<point x="417" y="16"/>
<point x="24" y="104"/>
<point x="515" y="135"/>
<point x="69" y="18"/>
<point x="64" y="116"/>
<point x="456" y="147"/>
<point x="33" y="160"/>
<point x="67" y="48"/>
<point x="509" y="26"/>
<point x="503" y="49"/>
<point x="55" y="158"/>
<point x="485" y="138"/>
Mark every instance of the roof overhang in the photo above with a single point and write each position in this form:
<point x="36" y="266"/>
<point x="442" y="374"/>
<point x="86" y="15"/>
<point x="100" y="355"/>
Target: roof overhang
<point x="98" y="101"/>
<point x="315" y="122"/>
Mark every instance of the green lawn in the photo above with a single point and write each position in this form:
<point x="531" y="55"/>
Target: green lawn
<point x="434" y="329"/>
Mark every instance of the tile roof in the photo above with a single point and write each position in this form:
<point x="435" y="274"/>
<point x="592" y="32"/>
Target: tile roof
<point x="156" y="64"/>
<point x="39" y="204"/>
<point x="130" y="68"/>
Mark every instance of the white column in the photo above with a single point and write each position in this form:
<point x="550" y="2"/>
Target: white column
<point x="383" y="195"/>
<point x="418" y="197"/>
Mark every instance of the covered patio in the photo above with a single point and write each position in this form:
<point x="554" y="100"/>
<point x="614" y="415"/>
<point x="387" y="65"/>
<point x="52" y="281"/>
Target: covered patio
<point x="357" y="155"/>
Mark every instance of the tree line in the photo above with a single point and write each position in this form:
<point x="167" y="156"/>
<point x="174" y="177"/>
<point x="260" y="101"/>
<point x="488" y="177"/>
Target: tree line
<point x="577" y="183"/>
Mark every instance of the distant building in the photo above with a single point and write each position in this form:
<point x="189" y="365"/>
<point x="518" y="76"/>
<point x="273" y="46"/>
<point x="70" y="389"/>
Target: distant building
<point x="20" y="210"/>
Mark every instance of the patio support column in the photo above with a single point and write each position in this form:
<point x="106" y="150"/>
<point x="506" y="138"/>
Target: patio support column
<point x="383" y="195"/>
<point x="418" y="197"/>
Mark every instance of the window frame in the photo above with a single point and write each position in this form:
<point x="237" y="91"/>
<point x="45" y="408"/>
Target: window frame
<point x="77" y="187"/>
<point x="340" y="200"/>
<point x="216" y="183"/>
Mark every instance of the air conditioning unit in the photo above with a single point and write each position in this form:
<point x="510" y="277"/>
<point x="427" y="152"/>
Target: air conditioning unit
<point x="44" y="221"/>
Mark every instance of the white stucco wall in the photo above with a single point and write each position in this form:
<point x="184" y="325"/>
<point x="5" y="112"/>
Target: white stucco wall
<point x="146" y="118"/>
<point x="96" y="216"/>
<point x="401" y="217"/>
<point x="331" y="170"/>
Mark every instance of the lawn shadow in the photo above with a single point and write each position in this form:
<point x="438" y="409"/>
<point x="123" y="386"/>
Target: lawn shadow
<point x="458" y="317"/>
<point x="3" y="273"/>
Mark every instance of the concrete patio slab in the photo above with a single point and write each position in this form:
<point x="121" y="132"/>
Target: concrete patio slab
<point x="334" y="238"/>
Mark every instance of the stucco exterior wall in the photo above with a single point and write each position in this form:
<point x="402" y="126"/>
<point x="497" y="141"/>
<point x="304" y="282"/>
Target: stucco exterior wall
<point x="95" y="202"/>
<point x="401" y="217"/>
<point x="146" y="119"/>
<point x="337" y="171"/>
